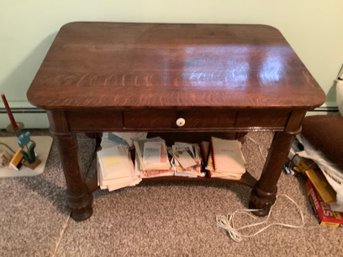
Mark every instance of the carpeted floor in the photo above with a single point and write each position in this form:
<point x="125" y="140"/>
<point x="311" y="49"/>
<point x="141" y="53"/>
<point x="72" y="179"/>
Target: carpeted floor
<point x="169" y="219"/>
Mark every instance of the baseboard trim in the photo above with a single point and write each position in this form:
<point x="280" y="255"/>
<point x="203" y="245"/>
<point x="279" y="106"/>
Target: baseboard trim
<point x="324" y="110"/>
<point x="33" y="118"/>
<point x="23" y="110"/>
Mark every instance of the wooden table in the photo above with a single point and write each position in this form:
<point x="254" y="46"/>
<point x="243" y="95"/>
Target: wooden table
<point x="100" y="77"/>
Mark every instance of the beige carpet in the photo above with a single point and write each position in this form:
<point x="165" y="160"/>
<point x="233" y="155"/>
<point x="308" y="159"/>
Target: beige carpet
<point x="170" y="219"/>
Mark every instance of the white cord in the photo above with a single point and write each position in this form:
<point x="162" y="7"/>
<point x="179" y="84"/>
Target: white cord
<point x="227" y="223"/>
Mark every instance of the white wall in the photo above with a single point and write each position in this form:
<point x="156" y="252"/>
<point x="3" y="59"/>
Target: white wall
<point x="27" y="28"/>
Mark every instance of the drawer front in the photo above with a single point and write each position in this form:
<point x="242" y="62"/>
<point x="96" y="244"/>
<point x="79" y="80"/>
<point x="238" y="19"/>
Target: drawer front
<point x="93" y="120"/>
<point x="263" y="118"/>
<point x="181" y="119"/>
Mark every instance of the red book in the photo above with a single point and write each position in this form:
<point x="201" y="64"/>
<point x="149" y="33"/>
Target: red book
<point x="325" y="215"/>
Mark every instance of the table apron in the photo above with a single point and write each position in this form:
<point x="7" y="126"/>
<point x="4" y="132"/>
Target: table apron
<point x="167" y="120"/>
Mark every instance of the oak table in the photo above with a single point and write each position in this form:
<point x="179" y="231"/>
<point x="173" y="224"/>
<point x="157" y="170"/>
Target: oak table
<point x="100" y="76"/>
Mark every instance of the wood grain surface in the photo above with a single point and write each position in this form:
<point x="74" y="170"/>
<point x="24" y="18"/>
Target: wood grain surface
<point x="131" y="65"/>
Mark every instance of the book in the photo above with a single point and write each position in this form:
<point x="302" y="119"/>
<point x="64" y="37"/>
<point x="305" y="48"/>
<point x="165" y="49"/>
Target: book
<point x="317" y="175"/>
<point x="115" y="168"/>
<point x="226" y="159"/>
<point x="332" y="173"/>
<point x="325" y="215"/>
<point x="317" y="178"/>
<point x="184" y="154"/>
<point x="155" y="156"/>
<point x="186" y="160"/>
<point x="152" y="158"/>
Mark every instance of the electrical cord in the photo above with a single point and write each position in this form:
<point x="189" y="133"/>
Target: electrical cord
<point x="227" y="222"/>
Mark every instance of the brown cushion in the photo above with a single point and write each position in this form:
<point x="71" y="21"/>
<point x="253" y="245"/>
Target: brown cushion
<point x="325" y="133"/>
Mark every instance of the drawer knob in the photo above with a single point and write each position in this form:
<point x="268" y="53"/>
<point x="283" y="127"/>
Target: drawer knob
<point x="180" y="122"/>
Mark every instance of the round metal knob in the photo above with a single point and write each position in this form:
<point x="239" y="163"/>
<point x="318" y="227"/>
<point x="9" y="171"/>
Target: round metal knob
<point x="180" y="122"/>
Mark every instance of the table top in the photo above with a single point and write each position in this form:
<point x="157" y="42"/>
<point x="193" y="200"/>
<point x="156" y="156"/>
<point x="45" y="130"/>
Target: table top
<point x="147" y="65"/>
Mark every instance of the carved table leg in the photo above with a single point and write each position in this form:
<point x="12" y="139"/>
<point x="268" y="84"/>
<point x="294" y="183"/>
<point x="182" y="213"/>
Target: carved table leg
<point x="263" y="194"/>
<point x="78" y="196"/>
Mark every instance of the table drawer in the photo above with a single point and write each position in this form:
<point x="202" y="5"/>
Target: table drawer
<point x="263" y="118"/>
<point x="182" y="119"/>
<point x="93" y="120"/>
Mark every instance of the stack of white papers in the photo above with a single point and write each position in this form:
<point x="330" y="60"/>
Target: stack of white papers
<point x="115" y="168"/>
<point x="226" y="159"/>
<point x="152" y="158"/>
